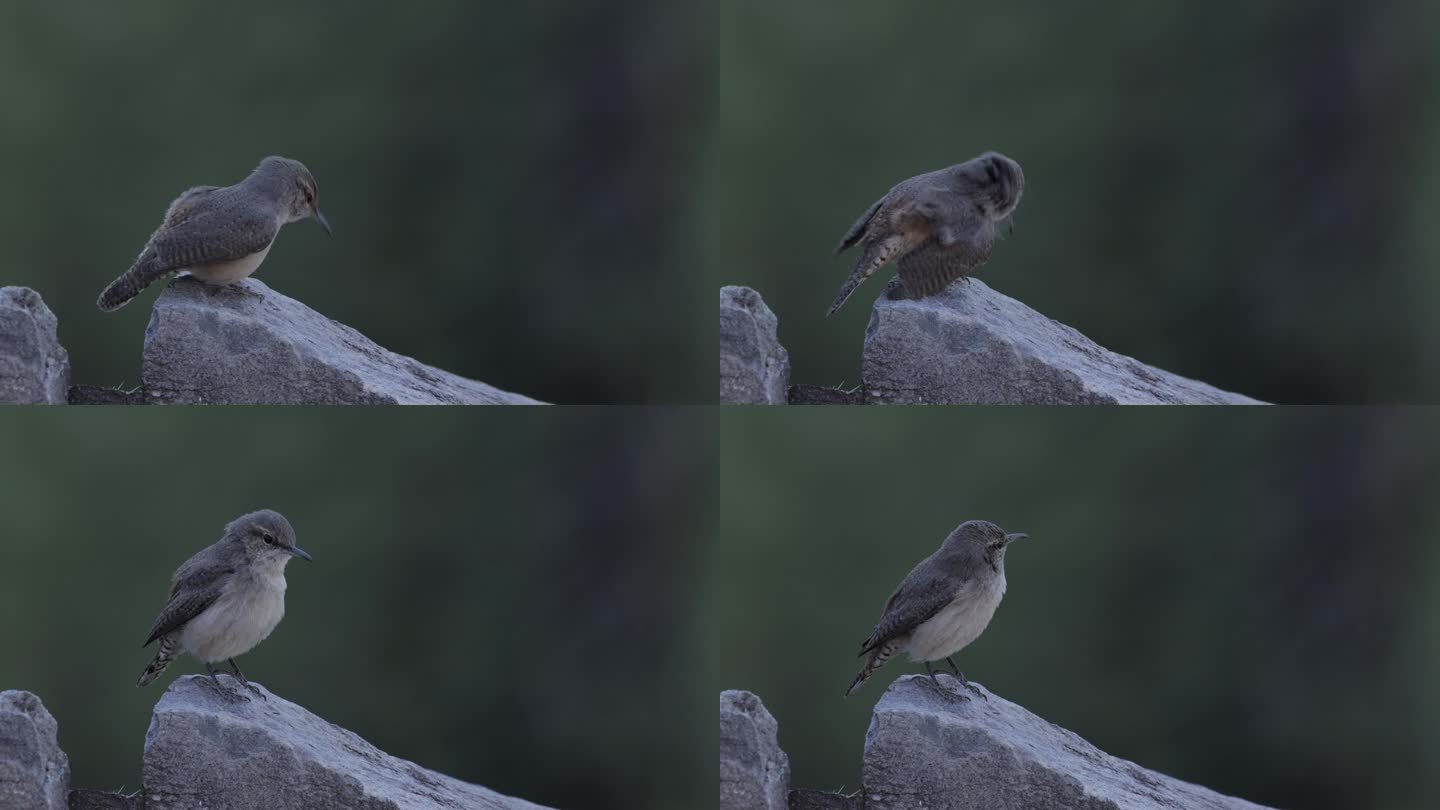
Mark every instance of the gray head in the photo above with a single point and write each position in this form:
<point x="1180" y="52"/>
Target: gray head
<point x="263" y="538"/>
<point x="298" y="185"/>
<point x="980" y="540"/>
<point x="993" y="181"/>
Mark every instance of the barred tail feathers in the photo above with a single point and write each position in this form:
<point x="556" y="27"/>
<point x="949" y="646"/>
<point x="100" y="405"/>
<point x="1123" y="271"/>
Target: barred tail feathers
<point x="878" y="658"/>
<point x="132" y="282"/>
<point x="169" y="648"/>
<point x="876" y="255"/>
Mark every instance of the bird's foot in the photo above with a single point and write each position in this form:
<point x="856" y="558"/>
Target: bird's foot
<point x="244" y="681"/>
<point x="228" y="694"/>
<point x="960" y="677"/>
<point x="895" y="290"/>
<point x="948" y="693"/>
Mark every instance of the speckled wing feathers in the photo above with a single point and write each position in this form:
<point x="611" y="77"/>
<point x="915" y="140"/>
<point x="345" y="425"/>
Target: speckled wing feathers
<point x="211" y="234"/>
<point x="196" y="586"/>
<point x="922" y="594"/>
<point x="858" y="229"/>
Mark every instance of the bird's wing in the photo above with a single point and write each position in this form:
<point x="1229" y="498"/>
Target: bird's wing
<point x="190" y="594"/>
<point x="186" y="203"/>
<point x="212" y="234"/>
<point x="857" y="231"/>
<point x="931" y="267"/>
<point x="918" y="599"/>
<point x="947" y="215"/>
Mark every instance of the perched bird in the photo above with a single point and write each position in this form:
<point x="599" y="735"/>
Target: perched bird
<point x="939" y="227"/>
<point x="221" y="235"/>
<point x="228" y="597"/>
<point x="943" y="604"/>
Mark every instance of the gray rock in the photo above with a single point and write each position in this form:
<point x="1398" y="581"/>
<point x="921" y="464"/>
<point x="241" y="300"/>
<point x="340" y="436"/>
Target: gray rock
<point x="34" y="772"/>
<point x="249" y="344"/>
<point x="923" y="750"/>
<point x="754" y="367"/>
<point x="971" y="344"/>
<point x="754" y="772"/>
<point x="207" y="748"/>
<point x="34" y="367"/>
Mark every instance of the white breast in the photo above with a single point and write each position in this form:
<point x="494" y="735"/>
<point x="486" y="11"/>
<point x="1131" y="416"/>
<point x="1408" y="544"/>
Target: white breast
<point x="242" y="617"/>
<point x="958" y="623"/>
<point x="230" y="272"/>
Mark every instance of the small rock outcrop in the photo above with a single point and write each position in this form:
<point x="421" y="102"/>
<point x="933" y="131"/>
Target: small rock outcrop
<point x="208" y="748"/>
<point x="34" y="772"/>
<point x="971" y="344"/>
<point x="34" y="367"/>
<point x="247" y="344"/>
<point x="924" y="750"/>
<point x="927" y="750"/>
<point x="754" y="771"/>
<point x="754" y="367"/>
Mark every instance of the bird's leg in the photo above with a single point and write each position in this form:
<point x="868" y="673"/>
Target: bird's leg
<point x="240" y="676"/>
<point x="943" y="690"/>
<point x="895" y="290"/>
<point x="214" y="676"/>
<point x="960" y="676"/>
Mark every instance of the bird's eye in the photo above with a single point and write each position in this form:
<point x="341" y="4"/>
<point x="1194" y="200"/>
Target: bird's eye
<point x="269" y="539"/>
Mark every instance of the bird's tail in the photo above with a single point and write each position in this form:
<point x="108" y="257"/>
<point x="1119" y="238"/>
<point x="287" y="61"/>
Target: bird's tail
<point x="163" y="656"/>
<point x="142" y="274"/>
<point x="877" y="659"/>
<point x="874" y="257"/>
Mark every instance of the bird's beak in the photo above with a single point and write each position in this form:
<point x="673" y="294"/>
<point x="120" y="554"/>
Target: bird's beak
<point x="1010" y="538"/>
<point x="301" y="553"/>
<point x="324" y="223"/>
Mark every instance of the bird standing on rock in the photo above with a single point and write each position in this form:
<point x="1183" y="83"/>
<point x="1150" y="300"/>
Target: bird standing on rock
<point x="943" y="604"/>
<point x="221" y="235"/>
<point x="228" y="597"/>
<point x="938" y="227"/>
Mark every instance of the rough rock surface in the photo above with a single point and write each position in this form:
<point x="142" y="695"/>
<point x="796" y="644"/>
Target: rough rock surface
<point x="923" y="750"/>
<point x="754" y="367"/>
<point x="971" y="344"/>
<point x="34" y="367"/>
<point x="34" y="772"/>
<point x="754" y="772"/>
<point x="104" y="800"/>
<point x="207" y="748"/>
<point x="825" y="800"/>
<point x="249" y="344"/>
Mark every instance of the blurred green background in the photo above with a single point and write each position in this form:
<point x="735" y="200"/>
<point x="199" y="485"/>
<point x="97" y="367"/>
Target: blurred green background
<point x="505" y="182"/>
<point x="1250" y="601"/>
<point x="1245" y="193"/>
<point x="508" y="599"/>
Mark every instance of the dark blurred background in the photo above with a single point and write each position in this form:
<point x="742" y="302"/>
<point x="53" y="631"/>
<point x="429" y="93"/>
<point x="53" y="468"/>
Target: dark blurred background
<point x="507" y="183"/>
<point x="1250" y="601"/>
<point x="1240" y="192"/>
<point x="507" y="600"/>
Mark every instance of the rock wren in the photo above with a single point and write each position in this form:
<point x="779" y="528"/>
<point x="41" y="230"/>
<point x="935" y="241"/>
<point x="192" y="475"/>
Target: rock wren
<point x="221" y="235"/>
<point x="943" y="604"/>
<point x="940" y="227"/>
<point x="227" y="598"/>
